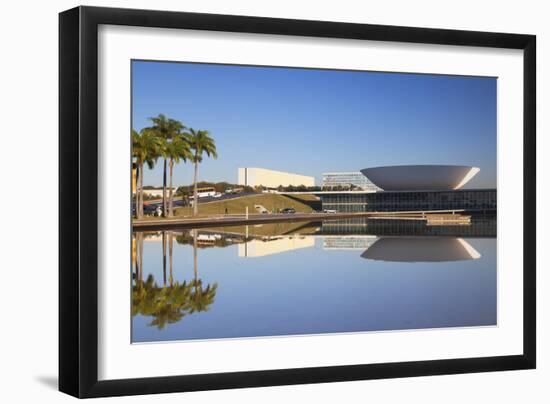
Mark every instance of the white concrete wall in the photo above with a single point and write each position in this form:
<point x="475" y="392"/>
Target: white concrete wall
<point x="260" y="248"/>
<point x="253" y="176"/>
<point x="156" y="192"/>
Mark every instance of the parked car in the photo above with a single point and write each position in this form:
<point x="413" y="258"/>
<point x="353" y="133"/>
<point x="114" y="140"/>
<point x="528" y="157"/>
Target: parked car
<point x="261" y="209"/>
<point x="152" y="210"/>
<point x="330" y="211"/>
<point x="288" y="210"/>
<point x="234" y="191"/>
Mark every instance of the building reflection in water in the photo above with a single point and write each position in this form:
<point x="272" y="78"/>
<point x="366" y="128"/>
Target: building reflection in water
<point x="274" y="245"/>
<point x="396" y="249"/>
<point x="167" y="288"/>
<point x="420" y="249"/>
<point x="350" y="242"/>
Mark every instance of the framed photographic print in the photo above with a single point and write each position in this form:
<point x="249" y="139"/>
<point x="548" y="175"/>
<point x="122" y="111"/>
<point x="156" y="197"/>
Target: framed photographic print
<point x="251" y="201"/>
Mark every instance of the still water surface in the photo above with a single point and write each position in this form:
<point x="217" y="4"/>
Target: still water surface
<point x="311" y="278"/>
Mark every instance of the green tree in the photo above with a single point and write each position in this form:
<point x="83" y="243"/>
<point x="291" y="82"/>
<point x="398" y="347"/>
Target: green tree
<point x="200" y="143"/>
<point x="171" y="254"/>
<point x="166" y="129"/>
<point x="166" y="305"/>
<point x="176" y="150"/>
<point x="145" y="150"/>
<point x="201" y="297"/>
<point x="170" y="303"/>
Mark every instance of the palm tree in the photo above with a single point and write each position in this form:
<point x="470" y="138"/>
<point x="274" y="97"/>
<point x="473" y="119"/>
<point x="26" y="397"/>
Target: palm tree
<point x="201" y="297"/>
<point x="171" y="254"/>
<point x="145" y="149"/>
<point x="176" y="150"/>
<point x="140" y="249"/>
<point x="195" y="234"/>
<point x="164" y="258"/>
<point x="166" y="129"/>
<point x="135" y="257"/>
<point x="200" y="142"/>
<point x="166" y="305"/>
<point x="169" y="304"/>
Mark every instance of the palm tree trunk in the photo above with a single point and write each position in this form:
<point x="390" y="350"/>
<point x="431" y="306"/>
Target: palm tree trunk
<point x="170" y="193"/>
<point x="195" y="261"/>
<point x="137" y="193"/>
<point x="164" y="190"/>
<point x="195" y="196"/>
<point x="164" y="258"/>
<point x="141" y="189"/>
<point x="171" y="252"/>
<point x="135" y="256"/>
<point x="140" y="252"/>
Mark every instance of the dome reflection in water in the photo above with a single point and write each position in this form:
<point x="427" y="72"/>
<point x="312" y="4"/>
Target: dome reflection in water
<point x="421" y="249"/>
<point x="312" y="278"/>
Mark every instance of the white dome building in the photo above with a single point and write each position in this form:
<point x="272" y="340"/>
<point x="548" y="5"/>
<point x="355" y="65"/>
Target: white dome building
<point x="420" y="177"/>
<point x="416" y="188"/>
<point x="421" y="249"/>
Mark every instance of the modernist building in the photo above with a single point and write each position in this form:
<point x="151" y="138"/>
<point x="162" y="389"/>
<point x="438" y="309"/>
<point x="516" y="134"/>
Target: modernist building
<point x="407" y="188"/>
<point x="275" y="245"/>
<point x="253" y="177"/>
<point x="480" y="226"/>
<point x="468" y="199"/>
<point x="420" y="177"/>
<point x="157" y="192"/>
<point x="421" y="249"/>
<point x="348" y="179"/>
<point x="348" y="242"/>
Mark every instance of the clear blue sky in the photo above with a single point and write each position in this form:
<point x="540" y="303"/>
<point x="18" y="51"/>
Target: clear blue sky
<point x="313" y="121"/>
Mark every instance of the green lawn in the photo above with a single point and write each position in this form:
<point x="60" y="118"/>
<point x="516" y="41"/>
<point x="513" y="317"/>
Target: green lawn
<point x="306" y="197"/>
<point x="268" y="229"/>
<point x="272" y="202"/>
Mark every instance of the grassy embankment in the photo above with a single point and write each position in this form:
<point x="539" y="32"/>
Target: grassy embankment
<point x="272" y="202"/>
<point x="268" y="229"/>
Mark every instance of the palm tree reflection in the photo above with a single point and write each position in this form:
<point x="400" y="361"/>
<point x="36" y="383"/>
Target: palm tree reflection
<point x="202" y="298"/>
<point x="166" y="305"/>
<point x="170" y="303"/>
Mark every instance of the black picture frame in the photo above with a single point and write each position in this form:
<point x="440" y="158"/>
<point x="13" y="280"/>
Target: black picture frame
<point x="78" y="201"/>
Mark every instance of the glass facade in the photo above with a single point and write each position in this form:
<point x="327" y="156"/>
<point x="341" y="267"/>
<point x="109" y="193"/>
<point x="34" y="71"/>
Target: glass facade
<point x="481" y="200"/>
<point x="347" y="242"/>
<point x="481" y="226"/>
<point x="347" y="179"/>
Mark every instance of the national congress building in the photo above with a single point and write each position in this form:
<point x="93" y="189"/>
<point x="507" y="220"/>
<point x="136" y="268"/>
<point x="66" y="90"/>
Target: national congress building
<point x="348" y="179"/>
<point x="389" y="188"/>
<point x="415" y="188"/>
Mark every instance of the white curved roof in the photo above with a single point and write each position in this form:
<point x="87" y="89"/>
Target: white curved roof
<point x="421" y="249"/>
<point x="420" y="177"/>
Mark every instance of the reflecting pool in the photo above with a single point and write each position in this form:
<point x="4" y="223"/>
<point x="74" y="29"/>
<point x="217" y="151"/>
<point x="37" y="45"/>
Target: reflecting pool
<point x="312" y="278"/>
